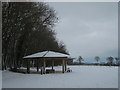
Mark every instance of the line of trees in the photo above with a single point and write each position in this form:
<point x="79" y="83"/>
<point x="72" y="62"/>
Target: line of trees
<point x="110" y="60"/>
<point x="27" y="28"/>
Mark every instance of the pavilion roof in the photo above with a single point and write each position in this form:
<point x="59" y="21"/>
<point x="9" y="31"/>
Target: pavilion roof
<point x="47" y="54"/>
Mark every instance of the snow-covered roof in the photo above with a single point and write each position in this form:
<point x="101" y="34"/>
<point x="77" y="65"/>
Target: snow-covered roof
<point x="46" y="54"/>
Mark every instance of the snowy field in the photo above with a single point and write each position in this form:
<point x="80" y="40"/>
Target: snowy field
<point x="80" y="77"/>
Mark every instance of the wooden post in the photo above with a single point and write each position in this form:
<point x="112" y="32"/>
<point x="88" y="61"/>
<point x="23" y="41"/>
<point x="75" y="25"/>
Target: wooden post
<point x="41" y="70"/>
<point x="28" y="66"/>
<point x="41" y="67"/>
<point x="63" y="66"/>
<point x="52" y="64"/>
<point x="32" y="63"/>
<point x="37" y="66"/>
<point x="44" y="65"/>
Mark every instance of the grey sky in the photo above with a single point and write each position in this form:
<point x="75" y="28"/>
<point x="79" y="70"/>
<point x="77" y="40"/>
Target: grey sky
<point x="88" y="29"/>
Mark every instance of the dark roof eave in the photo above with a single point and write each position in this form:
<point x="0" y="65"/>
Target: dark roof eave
<point x="42" y="57"/>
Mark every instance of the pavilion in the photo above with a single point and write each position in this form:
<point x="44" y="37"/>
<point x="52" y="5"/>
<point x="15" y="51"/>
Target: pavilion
<point x="42" y="57"/>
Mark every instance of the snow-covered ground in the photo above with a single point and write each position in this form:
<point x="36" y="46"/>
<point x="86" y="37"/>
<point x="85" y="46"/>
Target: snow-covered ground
<point x="80" y="77"/>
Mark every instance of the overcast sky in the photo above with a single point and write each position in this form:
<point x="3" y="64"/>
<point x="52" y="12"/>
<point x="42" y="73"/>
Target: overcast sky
<point x="88" y="29"/>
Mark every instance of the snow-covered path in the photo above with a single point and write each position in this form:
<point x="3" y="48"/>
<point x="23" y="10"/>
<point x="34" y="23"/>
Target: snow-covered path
<point x="80" y="77"/>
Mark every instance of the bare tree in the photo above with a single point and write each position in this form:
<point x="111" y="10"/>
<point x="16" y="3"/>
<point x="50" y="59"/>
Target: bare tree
<point x="27" y="27"/>
<point x="117" y="60"/>
<point x="97" y="58"/>
<point x="110" y="60"/>
<point x="80" y="59"/>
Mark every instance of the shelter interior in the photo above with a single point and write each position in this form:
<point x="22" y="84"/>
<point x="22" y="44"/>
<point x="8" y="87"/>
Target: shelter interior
<point x="41" y="64"/>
